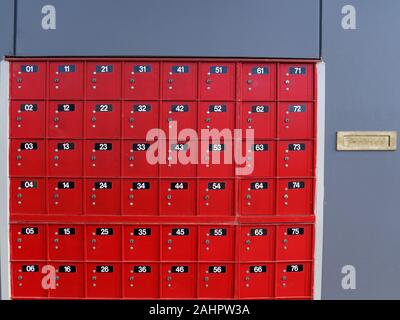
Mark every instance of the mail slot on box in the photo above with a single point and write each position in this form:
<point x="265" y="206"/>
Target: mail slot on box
<point x="137" y="160"/>
<point x="27" y="196"/>
<point x="140" y="196"/>
<point x="103" y="80"/>
<point x="103" y="243"/>
<point x="28" y="242"/>
<point x="294" y="196"/>
<point x="141" y="243"/>
<point x="141" y="80"/>
<point x="66" y="80"/>
<point x="64" y="196"/>
<point x="216" y="243"/>
<point x="296" y="120"/>
<point x="181" y="160"/>
<point x="258" y="81"/>
<point x="102" y="158"/>
<point x="178" y="280"/>
<point x="179" y="81"/>
<point x="213" y="115"/>
<point x="260" y="117"/>
<point x="28" y="80"/>
<point x="178" y="114"/>
<point x="294" y="242"/>
<point x="257" y="243"/>
<point x="217" y="159"/>
<point x="103" y="280"/>
<point x="296" y="82"/>
<point x="65" y="242"/>
<point x="216" y="197"/>
<point x="177" y="197"/>
<point x="257" y="197"/>
<point x="217" y="81"/>
<point x="27" y="119"/>
<point x="293" y="279"/>
<point x="102" y="196"/>
<point x="295" y="159"/>
<point x="103" y="119"/>
<point x="138" y="118"/>
<point x="256" y="280"/>
<point x="65" y="119"/>
<point x="70" y="281"/>
<point x="27" y="280"/>
<point x="260" y="158"/>
<point x="27" y="158"/>
<point x="65" y="158"/>
<point x="179" y="242"/>
<point x="216" y="280"/>
<point x="141" y="280"/>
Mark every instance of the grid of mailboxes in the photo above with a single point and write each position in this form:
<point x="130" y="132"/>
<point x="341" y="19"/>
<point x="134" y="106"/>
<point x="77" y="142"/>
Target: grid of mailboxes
<point x="115" y="193"/>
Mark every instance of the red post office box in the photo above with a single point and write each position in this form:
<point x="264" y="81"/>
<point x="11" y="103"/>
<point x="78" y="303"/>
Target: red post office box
<point x="66" y="80"/>
<point x="296" y="120"/>
<point x="135" y="161"/>
<point x="103" y="280"/>
<point x="27" y="195"/>
<point x="216" y="280"/>
<point x="102" y="196"/>
<point x="179" y="81"/>
<point x="65" y="158"/>
<point x="103" y="80"/>
<point x="28" y="80"/>
<point x="65" y="119"/>
<point x="141" y="243"/>
<point x="103" y="119"/>
<point x="295" y="159"/>
<point x="103" y="243"/>
<point x="260" y="117"/>
<point x="138" y="118"/>
<point x="181" y="159"/>
<point x="102" y="158"/>
<point x="141" y="79"/>
<point x="213" y="115"/>
<point x="178" y="243"/>
<point x="216" y="243"/>
<point x="140" y="197"/>
<point x="27" y="280"/>
<point x="70" y="280"/>
<point x="27" y="158"/>
<point x="294" y="242"/>
<point x="27" y="119"/>
<point x="260" y="156"/>
<point x="64" y="196"/>
<point x="178" y="280"/>
<point x="258" y="81"/>
<point x="141" y="280"/>
<point x="257" y="197"/>
<point x="294" y="196"/>
<point x="216" y="197"/>
<point x="293" y="279"/>
<point x="217" y="81"/>
<point x="178" y="114"/>
<point x="65" y="242"/>
<point x="257" y="243"/>
<point x="256" y="281"/>
<point x="216" y="159"/>
<point x="28" y="242"/>
<point x="177" y="197"/>
<point x="296" y="81"/>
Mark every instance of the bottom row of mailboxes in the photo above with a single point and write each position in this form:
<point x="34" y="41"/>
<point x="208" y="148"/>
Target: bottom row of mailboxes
<point x="161" y="280"/>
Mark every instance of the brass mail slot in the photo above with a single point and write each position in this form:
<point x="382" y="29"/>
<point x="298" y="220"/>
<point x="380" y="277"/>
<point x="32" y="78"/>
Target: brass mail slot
<point x="366" y="140"/>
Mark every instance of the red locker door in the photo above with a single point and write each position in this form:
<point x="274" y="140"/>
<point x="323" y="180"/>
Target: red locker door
<point x="217" y="159"/>
<point x="257" y="197"/>
<point x="216" y="281"/>
<point x="103" y="280"/>
<point x="260" y="117"/>
<point x="70" y="280"/>
<point x="135" y="161"/>
<point x="65" y="119"/>
<point x="65" y="158"/>
<point x="258" y="81"/>
<point x="102" y="197"/>
<point x="296" y="82"/>
<point x="138" y="118"/>
<point x="103" y="243"/>
<point x="296" y="120"/>
<point x="28" y="80"/>
<point x="178" y="243"/>
<point x="294" y="196"/>
<point x="27" y="119"/>
<point x="178" y="197"/>
<point x="178" y="114"/>
<point x="293" y="280"/>
<point x="141" y="280"/>
<point x="261" y="156"/>
<point x="257" y="243"/>
<point x="216" y="197"/>
<point x="65" y="242"/>
<point x="213" y="115"/>
<point x="178" y="280"/>
<point x="103" y="119"/>
<point x="140" y="196"/>
<point x="217" y="243"/>
<point x="26" y="281"/>
<point x="295" y="159"/>
<point x="141" y="243"/>
<point x="103" y="80"/>
<point x="27" y="196"/>
<point x="179" y="81"/>
<point x="181" y="159"/>
<point x="66" y="80"/>
<point x="64" y="196"/>
<point x="217" y="81"/>
<point x="141" y="80"/>
<point x="102" y="158"/>
<point x="256" y="281"/>
<point x="27" y="158"/>
<point x="294" y="242"/>
<point x="28" y="242"/>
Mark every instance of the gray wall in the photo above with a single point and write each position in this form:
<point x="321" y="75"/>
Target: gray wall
<point x="6" y="27"/>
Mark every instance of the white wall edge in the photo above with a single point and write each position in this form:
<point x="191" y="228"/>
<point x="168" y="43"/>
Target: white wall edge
<point x="4" y="183"/>
<point x="319" y="194"/>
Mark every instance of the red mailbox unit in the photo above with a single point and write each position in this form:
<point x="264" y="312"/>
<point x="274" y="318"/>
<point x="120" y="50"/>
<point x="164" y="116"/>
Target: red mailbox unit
<point x="70" y="280"/>
<point x="103" y="80"/>
<point x="61" y="154"/>
<point x="141" y="280"/>
<point x="66" y="242"/>
<point x="103" y="243"/>
<point x="141" y="80"/>
<point x="216" y="281"/>
<point x="28" y="80"/>
<point x="178" y="280"/>
<point x="27" y="280"/>
<point x="28" y="242"/>
<point x="64" y="196"/>
<point x="65" y="119"/>
<point x="141" y="243"/>
<point x="27" y="119"/>
<point x="103" y="280"/>
<point x="65" y="80"/>
<point x="27" y="158"/>
<point x="27" y="195"/>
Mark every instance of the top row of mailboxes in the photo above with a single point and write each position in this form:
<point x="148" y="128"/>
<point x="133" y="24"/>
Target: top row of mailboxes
<point x="172" y="80"/>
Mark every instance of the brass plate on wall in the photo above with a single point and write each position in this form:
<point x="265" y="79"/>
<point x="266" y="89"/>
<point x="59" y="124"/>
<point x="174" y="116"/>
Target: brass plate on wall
<point x="366" y="140"/>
